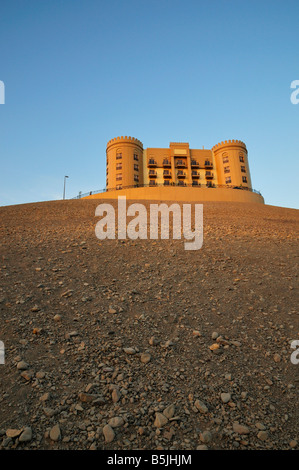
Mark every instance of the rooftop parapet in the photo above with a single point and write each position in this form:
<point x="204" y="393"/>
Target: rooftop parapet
<point x="124" y="139"/>
<point x="238" y="143"/>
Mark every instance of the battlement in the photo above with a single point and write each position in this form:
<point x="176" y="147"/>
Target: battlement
<point x="123" y="139"/>
<point x="238" y="143"/>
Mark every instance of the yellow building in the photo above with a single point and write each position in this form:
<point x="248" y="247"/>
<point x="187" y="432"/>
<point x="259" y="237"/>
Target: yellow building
<point x="178" y="172"/>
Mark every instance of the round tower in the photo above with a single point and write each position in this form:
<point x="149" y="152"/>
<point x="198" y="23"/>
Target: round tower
<point x="231" y="160"/>
<point x="124" y="165"/>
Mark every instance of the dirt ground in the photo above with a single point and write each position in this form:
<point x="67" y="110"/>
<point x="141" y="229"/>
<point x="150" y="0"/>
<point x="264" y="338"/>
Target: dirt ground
<point x="140" y="344"/>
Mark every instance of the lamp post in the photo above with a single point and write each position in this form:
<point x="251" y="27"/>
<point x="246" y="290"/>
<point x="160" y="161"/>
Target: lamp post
<point x="64" y="187"/>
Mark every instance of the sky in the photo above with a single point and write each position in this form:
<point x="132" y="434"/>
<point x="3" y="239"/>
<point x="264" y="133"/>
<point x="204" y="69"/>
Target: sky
<point x="79" y="72"/>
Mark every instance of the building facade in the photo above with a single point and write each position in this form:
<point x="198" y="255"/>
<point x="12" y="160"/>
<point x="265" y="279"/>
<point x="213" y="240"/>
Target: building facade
<point x="129" y="165"/>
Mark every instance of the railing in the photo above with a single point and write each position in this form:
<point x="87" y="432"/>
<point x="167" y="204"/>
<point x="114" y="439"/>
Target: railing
<point x="137" y="185"/>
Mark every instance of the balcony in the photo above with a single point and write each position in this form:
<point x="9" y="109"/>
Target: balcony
<point x="180" y="164"/>
<point x="167" y="163"/>
<point x="152" y="163"/>
<point x="209" y="175"/>
<point x="208" y="164"/>
<point x="152" y="174"/>
<point x="181" y="174"/>
<point x="195" y="174"/>
<point x="194" y="164"/>
<point x="167" y="174"/>
<point x="181" y="183"/>
<point x="195" y="183"/>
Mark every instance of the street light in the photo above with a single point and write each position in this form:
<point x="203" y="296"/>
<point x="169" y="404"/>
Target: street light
<point x="64" y="187"/>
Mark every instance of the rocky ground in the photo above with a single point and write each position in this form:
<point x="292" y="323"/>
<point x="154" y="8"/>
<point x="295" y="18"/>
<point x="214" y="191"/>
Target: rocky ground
<point x="122" y="344"/>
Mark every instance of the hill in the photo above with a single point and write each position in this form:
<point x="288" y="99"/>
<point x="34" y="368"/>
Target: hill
<point x="111" y="344"/>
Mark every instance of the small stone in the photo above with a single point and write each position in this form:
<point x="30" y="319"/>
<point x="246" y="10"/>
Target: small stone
<point x="240" y="429"/>
<point x="196" y="333"/>
<point x="27" y="375"/>
<point x="129" y="351"/>
<point x="153" y="341"/>
<point x="205" y="436"/>
<point x="200" y="405"/>
<point x="108" y="432"/>
<point x="145" y="358"/>
<point x="202" y="447"/>
<point x="215" y="335"/>
<point x="293" y="444"/>
<point x="116" y="422"/>
<point x="40" y="375"/>
<point x="214" y="346"/>
<point x="112" y="310"/>
<point x="260" y="426"/>
<point x="160" y="420"/>
<point x="89" y="397"/>
<point x="22" y="365"/>
<point x="45" y="397"/>
<point x="13" y="432"/>
<point x="263" y="435"/>
<point x="225" y="397"/>
<point x="57" y="318"/>
<point x="116" y="395"/>
<point x="169" y="411"/>
<point x="276" y="357"/>
<point x="55" y="433"/>
<point x="26" y="435"/>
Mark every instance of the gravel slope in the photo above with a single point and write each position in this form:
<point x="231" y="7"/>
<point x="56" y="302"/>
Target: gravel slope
<point x="142" y="345"/>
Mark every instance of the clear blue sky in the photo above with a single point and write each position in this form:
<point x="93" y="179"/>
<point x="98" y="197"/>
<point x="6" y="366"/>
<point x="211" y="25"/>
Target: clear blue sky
<point x="78" y="73"/>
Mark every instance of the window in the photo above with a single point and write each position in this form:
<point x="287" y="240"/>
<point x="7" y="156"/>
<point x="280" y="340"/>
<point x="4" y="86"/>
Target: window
<point x="119" y="156"/>
<point x="119" y="177"/>
<point x="228" y="180"/>
<point x="225" y="157"/>
<point x="119" y="166"/>
<point x="166" y="183"/>
<point x="244" y="179"/>
<point x="118" y="186"/>
<point x="136" y="178"/>
<point x="226" y="169"/>
<point x="241" y="158"/>
<point x="195" y="183"/>
<point x="136" y="157"/>
<point x="152" y="182"/>
<point x="136" y="167"/>
<point x="243" y="169"/>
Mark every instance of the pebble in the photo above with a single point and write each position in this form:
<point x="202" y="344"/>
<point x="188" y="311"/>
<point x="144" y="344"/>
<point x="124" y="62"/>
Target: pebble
<point x="240" y="429"/>
<point x="22" y="365"/>
<point x="263" y="435"/>
<point x="13" y="432"/>
<point x="26" y="435"/>
<point x="55" y="433"/>
<point x="169" y="411"/>
<point x="116" y="422"/>
<point x="205" y="436"/>
<point x="108" y="432"/>
<point x="145" y="358"/>
<point x="200" y="405"/>
<point x="225" y="397"/>
<point x="160" y="420"/>
<point x="116" y="395"/>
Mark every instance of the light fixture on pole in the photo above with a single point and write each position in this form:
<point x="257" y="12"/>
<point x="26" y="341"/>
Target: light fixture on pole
<point x="64" y="187"/>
